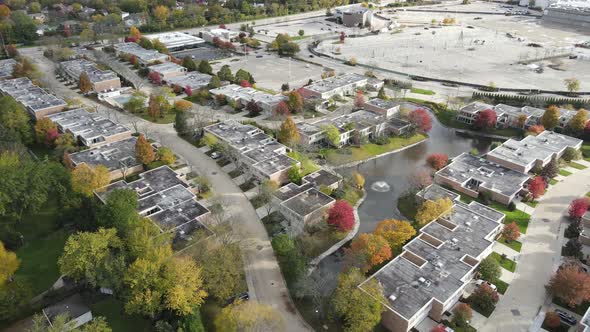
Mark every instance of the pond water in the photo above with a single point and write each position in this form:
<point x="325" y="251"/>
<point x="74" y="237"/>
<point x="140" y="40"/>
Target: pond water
<point x="387" y="178"/>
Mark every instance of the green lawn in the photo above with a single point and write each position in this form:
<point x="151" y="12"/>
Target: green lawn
<point x="586" y="151"/>
<point x="532" y="204"/>
<point x="422" y="91"/>
<point x="501" y="285"/>
<point x="576" y="165"/>
<point x="505" y="263"/>
<point x="168" y="117"/>
<point x="112" y="309"/>
<point x="553" y="182"/>
<point x="366" y="151"/>
<point x="563" y="172"/>
<point x="588" y="194"/>
<point x="521" y="218"/>
<point x="307" y="165"/>
<point x="514" y="245"/>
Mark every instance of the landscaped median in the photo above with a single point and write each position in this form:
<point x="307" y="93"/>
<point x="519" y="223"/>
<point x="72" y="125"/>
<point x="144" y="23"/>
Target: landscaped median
<point x="348" y="155"/>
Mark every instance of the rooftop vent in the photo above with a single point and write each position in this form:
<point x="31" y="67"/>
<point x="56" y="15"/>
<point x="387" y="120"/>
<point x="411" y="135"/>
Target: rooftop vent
<point x="454" y="240"/>
<point x="421" y="280"/>
<point x="392" y="297"/>
<point x="468" y="223"/>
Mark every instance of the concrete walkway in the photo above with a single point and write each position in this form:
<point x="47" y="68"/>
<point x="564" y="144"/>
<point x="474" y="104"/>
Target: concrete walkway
<point x="539" y="258"/>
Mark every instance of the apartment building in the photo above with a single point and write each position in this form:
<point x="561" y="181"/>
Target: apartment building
<point x="102" y="80"/>
<point x="429" y="276"/>
<point x="168" y="70"/>
<point x="259" y="153"/>
<point x="90" y="128"/>
<point x="38" y="102"/>
<point x="242" y="96"/>
<point x="176" y="41"/>
<point x="343" y="85"/>
<point x="144" y="57"/>
<point x="469" y="113"/>
<point x="435" y="192"/>
<point x="387" y="108"/>
<point x="164" y="197"/>
<point x="532" y="151"/>
<point x="6" y="68"/>
<point x="473" y="176"/>
<point x="118" y="157"/>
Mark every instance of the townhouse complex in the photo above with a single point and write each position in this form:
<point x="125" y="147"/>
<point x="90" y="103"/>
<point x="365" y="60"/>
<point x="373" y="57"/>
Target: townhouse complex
<point x="102" y="80"/>
<point x="510" y="116"/>
<point x="38" y="102"/>
<point x="242" y="96"/>
<point x="342" y="85"/>
<point x="429" y="276"/>
<point x="166" y="198"/>
<point x="6" y="68"/>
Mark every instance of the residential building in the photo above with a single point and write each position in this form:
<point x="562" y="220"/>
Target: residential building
<point x="90" y="128"/>
<point x="430" y="274"/>
<point x="176" y="41"/>
<point x="102" y="80"/>
<point x="77" y="312"/>
<point x="323" y="179"/>
<point x="6" y="68"/>
<point x="168" y="70"/>
<point x="165" y="197"/>
<point x="435" y="192"/>
<point x="566" y="115"/>
<point x="144" y="57"/>
<point x="343" y="85"/>
<point x="223" y="35"/>
<point x="585" y="322"/>
<point x="472" y="176"/>
<point x="242" y="96"/>
<point x="532" y="151"/>
<point x="260" y="154"/>
<point x="469" y="113"/>
<point x="387" y="108"/>
<point x="118" y="157"/>
<point x="38" y="102"/>
<point x="193" y="79"/>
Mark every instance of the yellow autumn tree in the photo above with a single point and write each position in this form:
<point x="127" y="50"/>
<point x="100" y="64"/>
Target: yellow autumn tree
<point x="9" y="263"/>
<point x="395" y="232"/>
<point x="431" y="210"/>
<point x="86" y="179"/>
<point x="249" y="316"/>
<point x="144" y="152"/>
<point x="42" y="126"/>
<point x="134" y="32"/>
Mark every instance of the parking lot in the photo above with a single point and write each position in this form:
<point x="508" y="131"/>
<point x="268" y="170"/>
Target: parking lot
<point x="201" y="53"/>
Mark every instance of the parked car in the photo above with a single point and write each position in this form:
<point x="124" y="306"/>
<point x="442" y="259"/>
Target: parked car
<point x="215" y="155"/>
<point x="478" y="18"/>
<point x="453" y="85"/>
<point x="569" y="319"/>
<point x="243" y="297"/>
<point x="481" y="282"/>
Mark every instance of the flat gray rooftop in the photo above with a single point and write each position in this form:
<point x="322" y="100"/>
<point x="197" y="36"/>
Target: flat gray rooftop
<point x="245" y="138"/>
<point x="533" y="148"/>
<point x="112" y="155"/>
<point x="476" y="107"/>
<point x="76" y="67"/>
<point x="291" y="190"/>
<point x="409" y="287"/>
<point x="472" y="171"/>
<point x="335" y="82"/>
<point x="32" y="97"/>
<point x="194" y="80"/>
<point x="275" y="163"/>
<point x="140" y="52"/>
<point x="90" y="126"/>
<point x="434" y="192"/>
<point x="167" y="67"/>
<point x="360" y="120"/>
<point x="507" y="109"/>
<point x="322" y="178"/>
<point x="7" y="67"/>
<point x="384" y="104"/>
<point x="247" y="94"/>
<point x="308" y="202"/>
<point x="73" y="306"/>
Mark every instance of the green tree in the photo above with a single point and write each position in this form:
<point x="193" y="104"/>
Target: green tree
<point x="159" y="46"/>
<point x="294" y="174"/>
<point x="551" y="169"/>
<point x="166" y="155"/>
<point x="14" y="296"/>
<point x="332" y="134"/>
<point x="360" y="309"/>
<point x="381" y="94"/>
<point x="189" y="64"/>
<point x="119" y="210"/>
<point x="214" y="83"/>
<point x="225" y="74"/>
<point x="222" y="270"/>
<point x="295" y="102"/>
<point x="242" y="75"/>
<point x="25" y="27"/>
<point x="290" y="258"/>
<point x="572" y="84"/>
<point x="288" y="133"/>
<point x="550" y="118"/>
<point x="181" y="123"/>
<point x="144" y="239"/>
<point x="86" y="179"/>
<point x="86" y="253"/>
<point x="205" y="67"/>
<point x="15" y="118"/>
<point x="136" y="104"/>
<point x="249" y="316"/>
<point x="578" y="122"/>
<point x="192" y="322"/>
<point x="489" y="269"/>
<point x="146" y="43"/>
<point x="144" y="151"/>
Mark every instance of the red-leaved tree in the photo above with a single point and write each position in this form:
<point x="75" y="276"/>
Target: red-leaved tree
<point x="341" y="216"/>
<point x="245" y="84"/>
<point x="420" y="120"/>
<point x="155" y="78"/>
<point x="511" y="232"/>
<point x="222" y="26"/>
<point x="282" y="109"/>
<point x="486" y="119"/>
<point x="578" y="208"/>
<point x="439" y="328"/>
<point x="571" y="285"/>
<point x="537" y="187"/>
<point x="437" y="160"/>
<point x="536" y="129"/>
<point x="188" y="91"/>
<point x="50" y="136"/>
<point x="359" y="99"/>
<point x="342" y="36"/>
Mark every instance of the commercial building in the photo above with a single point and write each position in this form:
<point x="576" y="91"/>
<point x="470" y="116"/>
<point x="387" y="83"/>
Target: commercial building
<point x="473" y="176"/>
<point x="532" y="151"/>
<point x="575" y="13"/>
<point x="165" y="198"/>
<point x="193" y="79"/>
<point x="259" y="153"/>
<point x="168" y="70"/>
<point x="77" y="312"/>
<point x="388" y="108"/>
<point x="91" y="129"/>
<point x="361" y="17"/>
<point x="223" y="35"/>
<point x="242" y="96"/>
<point x="176" y="41"/>
<point x="102" y="80"/>
<point x="6" y="68"/>
<point x="38" y="102"/>
<point x="118" y="157"/>
<point x="343" y="85"/>
<point x="429" y="276"/>
<point x="143" y="56"/>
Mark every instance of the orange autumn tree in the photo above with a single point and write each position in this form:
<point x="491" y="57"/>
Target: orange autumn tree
<point x="367" y="251"/>
<point x="144" y="152"/>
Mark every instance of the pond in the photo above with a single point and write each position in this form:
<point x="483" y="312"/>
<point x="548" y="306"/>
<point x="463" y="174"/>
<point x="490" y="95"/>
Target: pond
<point x="387" y="178"/>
